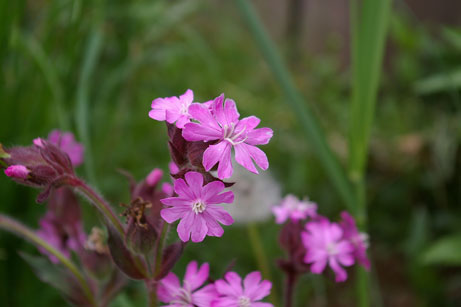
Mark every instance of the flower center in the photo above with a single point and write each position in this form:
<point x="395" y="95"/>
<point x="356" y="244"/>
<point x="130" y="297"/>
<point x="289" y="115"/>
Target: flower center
<point x="183" y="298"/>
<point x="231" y="137"/>
<point x="184" y="109"/>
<point x="244" y="301"/>
<point x="331" y="249"/>
<point x="198" y="206"/>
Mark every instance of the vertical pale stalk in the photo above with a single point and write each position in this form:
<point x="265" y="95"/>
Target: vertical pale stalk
<point x="369" y="20"/>
<point x="24" y="232"/>
<point x="82" y="113"/>
<point x="300" y="108"/>
<point x="261" y="257"/>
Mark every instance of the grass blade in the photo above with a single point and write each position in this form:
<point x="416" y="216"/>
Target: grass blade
<point x="305" y="116"/>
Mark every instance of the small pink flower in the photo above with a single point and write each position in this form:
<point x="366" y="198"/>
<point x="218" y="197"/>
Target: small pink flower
<point x="358" y="239"/>
<point x="221" y="123"/>
<point x="173" y="109"/>
<point x="197" y="208"/>
<point x="294" y="209"/>
<point x="325" y="244"/>
<point x="65" y="237"/>
<point x="154" y="177"/>
<point x="232" y="294"/>
<point x="66" y="142"/>
<point x="17" y="171"/>
<point x="170" y="291"/>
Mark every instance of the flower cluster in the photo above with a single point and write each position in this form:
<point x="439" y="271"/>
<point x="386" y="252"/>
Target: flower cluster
<point x="202" y="135"/>
<point x="318" y="242"/>
<point x="217" y="123"/>
<point x="227" y="292"/>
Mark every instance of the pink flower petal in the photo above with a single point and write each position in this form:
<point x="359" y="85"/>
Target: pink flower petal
<point x="196" y="132"/>
<point x="219" y="153"/>
<point x="170" y="215"/>
<point x="259" y="136"/>
<point x="341" y="274"/>
<point x="168" y="287"/>
<point x="211" y="189"/>
<point x="196" y="277"/>
<point x="185" y="226"/>
<point x="220" y="215"/>
<point x="199" y="229"/>
<point x="223" y="198"/>
<point x="195" y="182"/>
<point x="182" y="189"/>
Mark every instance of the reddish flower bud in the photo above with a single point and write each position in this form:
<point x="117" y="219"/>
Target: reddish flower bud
<point x="140" y="234"/>
<point x="17" y="171"/>
<point x="154" y="177"/>
<point x="45" y="166"/>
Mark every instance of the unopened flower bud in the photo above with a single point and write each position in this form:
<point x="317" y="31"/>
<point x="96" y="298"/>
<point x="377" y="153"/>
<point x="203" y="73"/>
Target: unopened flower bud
<point x="154" y="177"/>
<point x="42" y="165"/>
<point x="17" y="171"/>
<point x="140" y="235"/>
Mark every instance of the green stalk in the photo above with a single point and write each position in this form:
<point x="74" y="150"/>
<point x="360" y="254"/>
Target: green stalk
<point x="301" y="109"/>
<point x="22" y="231"/>
<point x="82" y="114"/>
<point x="368" y="27"/>
<point x="261" y="257"/>
<point x="106" y="210"/>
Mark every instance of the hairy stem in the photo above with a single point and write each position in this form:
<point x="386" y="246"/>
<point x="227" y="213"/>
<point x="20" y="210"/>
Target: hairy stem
<point x="17" y="228"/>
<point x="107" y="212"/>
<point x="100" y="204"/>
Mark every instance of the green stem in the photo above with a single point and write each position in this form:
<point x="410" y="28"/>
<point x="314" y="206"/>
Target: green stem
<point x="159" y="248"/>
<point x="301" y="109"/>
<point x="101" y="205"/>
<point x="107" y="212"/>
<point x="261" y="257"/>
<point x="24" y="232"/>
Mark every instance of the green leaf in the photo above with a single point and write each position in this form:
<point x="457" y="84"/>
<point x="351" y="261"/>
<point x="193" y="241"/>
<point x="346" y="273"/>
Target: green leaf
<point x="446" y="251"/>
<point x="47" y="272"/>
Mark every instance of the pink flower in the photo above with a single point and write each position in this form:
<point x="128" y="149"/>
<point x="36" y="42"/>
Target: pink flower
<point x="197" y="208"/>
<point x="358" y="239"/>
<point x="221" y="123"/>
<point x="291" y="207"/>
<point x="173" y="109"/>
<point x="170" y="290"/>
<point x="17" y="171"/>
<point x="232" y="294"/>
<point x="66" y="142"/>
<point x="324" y="243"/>
<point x="65" y="237"/>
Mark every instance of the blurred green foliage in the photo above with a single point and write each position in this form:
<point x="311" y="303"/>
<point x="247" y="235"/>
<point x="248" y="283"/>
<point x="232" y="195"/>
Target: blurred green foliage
<point x="93" y="67"/>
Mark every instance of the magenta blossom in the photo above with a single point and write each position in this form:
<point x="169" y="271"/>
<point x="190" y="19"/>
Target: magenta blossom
<point x="17" y="171"/>
<point x="220" y="122"/>
<point x="232" y="294"/>
<point x="65" y="237"/>
<point x="294" y="209"/>
<point x="196" y="206"/>
<point x="324" y="243"/>
<point x="66" y="142"/>
<point x="358" y="239"/>
<point x="170" y="291"/>
<point x="173" y="109"/>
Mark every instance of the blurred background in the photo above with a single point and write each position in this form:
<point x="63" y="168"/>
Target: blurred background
<point x="93" y="68"/>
